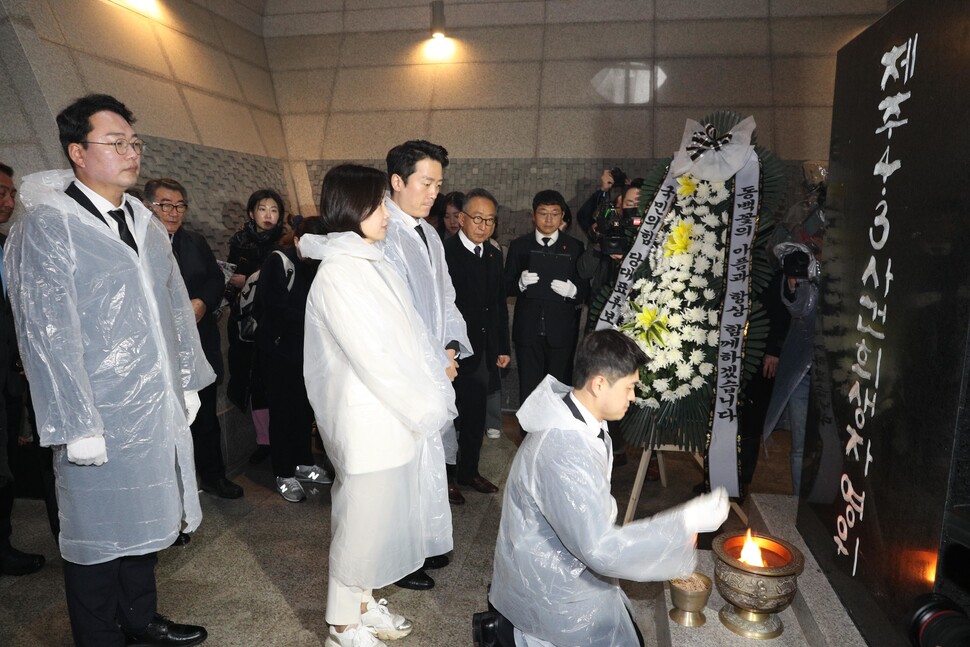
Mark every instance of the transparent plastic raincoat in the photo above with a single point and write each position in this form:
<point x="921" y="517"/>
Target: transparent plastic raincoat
<point x="425" y="271"/>
<point x="376" y="379"/>
<point x="559" y="550"/>
<point x="110" y="346"/>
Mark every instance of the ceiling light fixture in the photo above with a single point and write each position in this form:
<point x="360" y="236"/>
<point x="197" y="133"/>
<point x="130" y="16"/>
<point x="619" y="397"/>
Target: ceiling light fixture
<point x="438" y="19"/>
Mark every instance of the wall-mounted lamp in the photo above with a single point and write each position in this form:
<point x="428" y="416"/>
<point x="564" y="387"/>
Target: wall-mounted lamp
<point x="438" y="19"/>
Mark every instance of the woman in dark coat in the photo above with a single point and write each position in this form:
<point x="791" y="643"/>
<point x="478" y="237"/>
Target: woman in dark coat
<point x="248" y="248"/>
<point x="281" y="297"/>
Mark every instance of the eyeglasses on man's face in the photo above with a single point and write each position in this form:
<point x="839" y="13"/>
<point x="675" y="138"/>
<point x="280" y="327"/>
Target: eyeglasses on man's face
<point x="121" y="145"/>
<point x="549" y="215"/>
<point x="166" y="207"/>
<point x="479" y="219"/>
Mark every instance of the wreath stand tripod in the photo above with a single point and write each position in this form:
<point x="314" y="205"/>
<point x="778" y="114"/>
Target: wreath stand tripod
<point x="642" y="475"/>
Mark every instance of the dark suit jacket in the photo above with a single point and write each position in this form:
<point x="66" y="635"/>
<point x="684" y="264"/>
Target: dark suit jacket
<point x="561" y="317"/>
<point x="203" y="280"/>
<point x="480" y="297"/>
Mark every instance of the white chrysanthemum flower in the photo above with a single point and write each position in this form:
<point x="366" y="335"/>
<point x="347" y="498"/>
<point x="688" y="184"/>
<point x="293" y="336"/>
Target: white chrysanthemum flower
<point x="708" y="250"/>
<point x="702" y="211"/>
<point x="651" y="403"/>
<point x="712" y="338"/>
<point x="702" y="191"/>
<point x="696" y="357"/>
<point x="697" y="382"/>
<point x="674" y="356"/>
<point x="678" y="286"/>
<point x="684" y="371"/>
<point x="709" y="294"/>
<point x="695" y="314"/>
<point x="702" y="264"/>
<point x="712" y="317"/>
<point x="698" y="282"/>
<point x="661" y="385"/>
<point x="706" y="368"/>
<point x="682" y="391"/>
<point x="690" y="296"/>
<point x="709" y="238"/>
<point x="673" y="340"/>
<point x="676" y="320"/>
<point x="667" y="396"/>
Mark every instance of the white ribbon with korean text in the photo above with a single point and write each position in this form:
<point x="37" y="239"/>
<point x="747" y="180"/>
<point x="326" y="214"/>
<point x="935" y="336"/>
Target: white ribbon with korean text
<point x="722" y="453"/>
<point x="653" y="219"/>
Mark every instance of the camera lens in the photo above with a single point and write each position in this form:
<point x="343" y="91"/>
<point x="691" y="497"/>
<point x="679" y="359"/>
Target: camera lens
<point x="938" y="622"/>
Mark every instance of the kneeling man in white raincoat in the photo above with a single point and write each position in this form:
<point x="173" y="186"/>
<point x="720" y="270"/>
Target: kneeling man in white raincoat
<point x="111" y="350"/>
<point x="559" y="550"/>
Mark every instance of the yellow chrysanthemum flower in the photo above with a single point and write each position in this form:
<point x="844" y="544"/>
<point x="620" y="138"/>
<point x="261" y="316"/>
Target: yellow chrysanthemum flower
<point x="679" y="240"/>
<point x="687" y="185"/>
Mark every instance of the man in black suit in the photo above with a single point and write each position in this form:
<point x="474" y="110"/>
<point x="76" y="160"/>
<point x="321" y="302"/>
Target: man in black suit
<point x="12" y="561"/>
<point x="545" y="326"/>
<point x="475" y="266"/>
<point x="205" y="283"/>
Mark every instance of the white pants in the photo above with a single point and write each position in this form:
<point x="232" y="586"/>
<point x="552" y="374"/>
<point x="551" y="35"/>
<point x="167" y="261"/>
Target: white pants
<point x="343" y="602"/>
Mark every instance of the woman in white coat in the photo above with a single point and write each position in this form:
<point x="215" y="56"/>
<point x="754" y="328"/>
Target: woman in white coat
<point x="377" y="381"/>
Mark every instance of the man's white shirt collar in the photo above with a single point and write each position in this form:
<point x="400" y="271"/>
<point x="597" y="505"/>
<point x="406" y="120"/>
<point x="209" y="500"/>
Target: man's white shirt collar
<point x="552" y="238"/>
<point x="469" y="245"/>
<point x="593" y="425"/>
<point x="104" y="206"/>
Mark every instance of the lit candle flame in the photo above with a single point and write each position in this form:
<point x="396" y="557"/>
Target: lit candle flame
<point x="750" y="553"/>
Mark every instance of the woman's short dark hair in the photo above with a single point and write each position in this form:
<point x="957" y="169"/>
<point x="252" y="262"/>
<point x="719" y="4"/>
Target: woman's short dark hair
<point x="261" y="195"/>
<point x="74" y="121"/>
<point x="350" y="193"/>
<point x="609" y="353"/>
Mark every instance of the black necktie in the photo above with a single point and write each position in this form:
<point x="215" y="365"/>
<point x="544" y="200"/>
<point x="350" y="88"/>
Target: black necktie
<point x="123" y="231"/>
<point x="478" y="251"/>
<point x="546" y="240"/>
<point x="424" y="239"/>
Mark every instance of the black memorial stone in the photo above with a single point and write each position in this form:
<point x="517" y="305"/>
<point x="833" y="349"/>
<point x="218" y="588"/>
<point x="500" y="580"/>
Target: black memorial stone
<point x="886" y="489"/>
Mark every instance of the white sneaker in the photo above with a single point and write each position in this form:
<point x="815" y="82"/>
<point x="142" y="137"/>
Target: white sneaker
<point x="312" y="474"/>
<point x="385" y="625"/>
<point x="493" y="433"/>
<point x="358" y="636"/>
<point x="290" y="489"/>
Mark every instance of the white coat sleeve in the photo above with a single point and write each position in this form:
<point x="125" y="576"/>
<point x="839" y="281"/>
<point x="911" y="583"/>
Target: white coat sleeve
<point x="574" y="496"/>
<point x="40" y="273"/>
<point x="455" y="327"/>
<point x="385" y="353"/>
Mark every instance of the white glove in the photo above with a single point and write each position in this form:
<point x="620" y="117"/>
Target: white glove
<point x="526" y="279"/>
<point x="564" y="289"/>
<point x="87" y="451"/>
<point x="706" y="512"/>
<point x="192" y="405"/>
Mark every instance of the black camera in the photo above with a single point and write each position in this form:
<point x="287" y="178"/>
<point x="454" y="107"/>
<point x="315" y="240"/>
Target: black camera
<point x="616" y="229"/>
<point x="938" y="622"/>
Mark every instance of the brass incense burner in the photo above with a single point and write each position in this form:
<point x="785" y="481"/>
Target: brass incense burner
<point x="755" y="594"/>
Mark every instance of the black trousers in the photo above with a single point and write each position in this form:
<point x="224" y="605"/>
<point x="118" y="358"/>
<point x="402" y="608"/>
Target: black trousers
<point x="471" y="389"/>
<point x="539" y="359"/>
<point x="104" y="598"/>
<point x="207" y="437"/>
<point x="751" y="423"/>
<point x="290" y="415"/>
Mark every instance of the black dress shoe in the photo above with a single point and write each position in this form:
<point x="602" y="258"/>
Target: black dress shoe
<point x="15" y="562"/>
<point x="437" y="561"/>
<point x="480" y="484"/>
<point x="182" y="539"/>
<point x="162" y="631"/>
<point x="455" y="497"/>
<point x="221" y="487"/>
<point x="418" y="581"/>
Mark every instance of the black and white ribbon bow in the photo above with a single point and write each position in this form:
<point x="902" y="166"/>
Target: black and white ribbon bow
<point x="706" y="140"/>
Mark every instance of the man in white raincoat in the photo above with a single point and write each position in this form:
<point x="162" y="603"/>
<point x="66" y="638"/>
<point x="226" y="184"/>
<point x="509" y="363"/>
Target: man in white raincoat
<point x="415" y="170"/>
<point x="110" y="347"/>
<point x="559" y="551"/>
